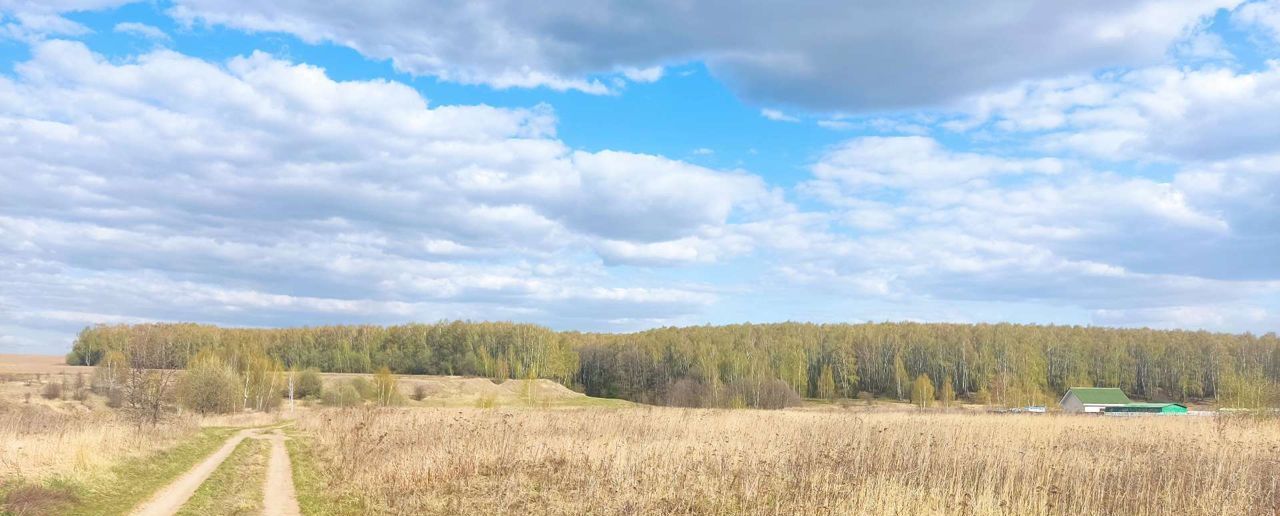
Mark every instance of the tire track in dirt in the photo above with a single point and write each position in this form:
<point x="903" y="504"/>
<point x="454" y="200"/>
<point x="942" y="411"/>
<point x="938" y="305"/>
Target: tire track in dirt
<point x="279" y="497"/>
<point x="167" y="501"/>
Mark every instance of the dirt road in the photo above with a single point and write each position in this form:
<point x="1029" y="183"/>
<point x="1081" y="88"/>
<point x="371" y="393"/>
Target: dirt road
<point x="167" y="501"/>
<point x="278" y="496"/>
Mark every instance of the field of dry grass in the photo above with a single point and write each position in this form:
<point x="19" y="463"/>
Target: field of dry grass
<point x="454" y="453"/>
<point x="677" y="461"/>
<point x="71" y="440"/>
<point x="38" y="364"/>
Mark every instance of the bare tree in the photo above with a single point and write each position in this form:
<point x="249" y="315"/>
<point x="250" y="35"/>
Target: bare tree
<point x="152" y="375"/>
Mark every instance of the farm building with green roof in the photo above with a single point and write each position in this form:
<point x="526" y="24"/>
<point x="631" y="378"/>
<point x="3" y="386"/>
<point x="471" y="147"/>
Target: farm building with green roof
<point x="1093" y="399"/>
<point x="1148" y="408"/>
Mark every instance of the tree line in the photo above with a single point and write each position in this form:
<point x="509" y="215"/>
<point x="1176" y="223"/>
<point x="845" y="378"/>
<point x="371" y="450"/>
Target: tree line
<point x="753" y="364"/>
<point x="499" y="350"/>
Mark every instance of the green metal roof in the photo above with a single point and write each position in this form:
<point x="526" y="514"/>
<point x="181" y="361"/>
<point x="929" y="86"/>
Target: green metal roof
<point x="1100" y="395"/>
<point x="1162" y="408"/>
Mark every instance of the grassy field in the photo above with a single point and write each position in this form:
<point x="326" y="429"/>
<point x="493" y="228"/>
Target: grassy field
<point x="474" y="447"/>
<point x="676" y="461"/>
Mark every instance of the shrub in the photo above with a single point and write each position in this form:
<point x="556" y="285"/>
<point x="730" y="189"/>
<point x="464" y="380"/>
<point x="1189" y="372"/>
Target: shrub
<point x="922" y="391"/>
<point x="309" y="384"/>
<point x="115" y="398"/>
<point x="210" y="387"/>
<point x="385" y="388"/>
<point x="419" y="392"/>
<point x="344" y="396"/>
<point x="363" y="387"/>
<point x="776" y="394"/>
<point x="687" y="392"/>
<point x="51" y="391"/>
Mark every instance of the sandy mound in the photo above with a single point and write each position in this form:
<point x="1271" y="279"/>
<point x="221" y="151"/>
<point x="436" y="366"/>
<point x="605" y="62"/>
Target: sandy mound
<point x="453" y="389"/>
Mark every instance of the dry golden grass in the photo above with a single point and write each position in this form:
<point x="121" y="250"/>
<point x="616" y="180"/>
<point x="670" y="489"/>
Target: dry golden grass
<point x="39" y="442"/>
<point x="38" y="364"/>
<point x="676" y="461"/>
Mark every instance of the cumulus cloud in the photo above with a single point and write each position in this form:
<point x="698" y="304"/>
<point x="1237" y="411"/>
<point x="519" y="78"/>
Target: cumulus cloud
<point x="917" y="161"/>
<point x="34" y="20"/>
<point x="1158" y="113"/>
<point x="821" y="56"/>
<point x="941" y="224"/>
<point x="259" y="191"/>
<point x="1264" y="15"/>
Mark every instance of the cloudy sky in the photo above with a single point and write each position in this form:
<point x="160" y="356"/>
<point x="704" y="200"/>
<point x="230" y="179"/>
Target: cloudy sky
<point x="618" y="165"/>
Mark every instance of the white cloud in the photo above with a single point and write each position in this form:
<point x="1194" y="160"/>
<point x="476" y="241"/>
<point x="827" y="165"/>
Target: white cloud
<point x="777" y="115"/>
<point x="931" y="223"/>
<point x="142" y="30"/>
<point x="650" y="74"/>
<point x="281" y="196"/>
<point x="35" y="20"/>
<point x="1263" y="14"/>
<point x="916" y="161"/>
<point x="1193" y="316"/>
<point x="814" y="55"/>
<point x="1160" y="113"/>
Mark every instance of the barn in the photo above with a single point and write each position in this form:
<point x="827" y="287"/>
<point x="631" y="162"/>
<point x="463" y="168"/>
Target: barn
<point x="1093" y="399"/>
<point x="1148" y="408"/>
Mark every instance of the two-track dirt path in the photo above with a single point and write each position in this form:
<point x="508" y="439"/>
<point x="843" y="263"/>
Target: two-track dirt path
<point x="279" y="497"/>
<point x="167" y="501"/>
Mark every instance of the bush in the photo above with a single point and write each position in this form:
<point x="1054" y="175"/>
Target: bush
<point x="344" y="396"/>
<point x="419" y="392"/>
<point x="386" y="389"/>
<point x="363" y="387"/>
<point x="51" y="391"/>
<point x="687" y="392"/>
<point x="776" y="394"/>
<point x="210" y="387"/>
<point x="115" y="398"/>
<point x="308" y="384"/>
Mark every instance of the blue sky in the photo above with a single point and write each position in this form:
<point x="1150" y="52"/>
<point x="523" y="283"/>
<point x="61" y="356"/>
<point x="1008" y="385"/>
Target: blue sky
<point x="615" y="166"/>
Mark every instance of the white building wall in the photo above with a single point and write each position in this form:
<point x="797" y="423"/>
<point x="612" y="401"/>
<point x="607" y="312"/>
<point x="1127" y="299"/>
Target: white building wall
<point x="1070" y="403"/>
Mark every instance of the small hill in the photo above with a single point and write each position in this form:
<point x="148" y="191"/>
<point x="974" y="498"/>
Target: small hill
<point x="462" y="391"/>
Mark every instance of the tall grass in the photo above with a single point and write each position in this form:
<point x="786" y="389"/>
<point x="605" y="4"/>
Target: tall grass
<point x="686" y="461"/>
<point x="39" y="443"/>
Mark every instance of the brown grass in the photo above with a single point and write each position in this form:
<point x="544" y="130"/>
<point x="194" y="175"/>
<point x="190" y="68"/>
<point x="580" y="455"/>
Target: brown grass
<point x="677" y="461"/>
<point x="39" y="442"/>
<point x="35" y="500"/>
<point x="38" y="364"/>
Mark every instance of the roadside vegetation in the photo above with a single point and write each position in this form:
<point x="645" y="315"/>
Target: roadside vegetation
<point x="318" y="493"/>
<point x="136" y="478"/>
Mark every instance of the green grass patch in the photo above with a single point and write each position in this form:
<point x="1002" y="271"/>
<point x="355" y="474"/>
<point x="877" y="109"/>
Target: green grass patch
<point x="315" y="495"/>
<point x="236" y="486"/>
<point x="133" y="480"/>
